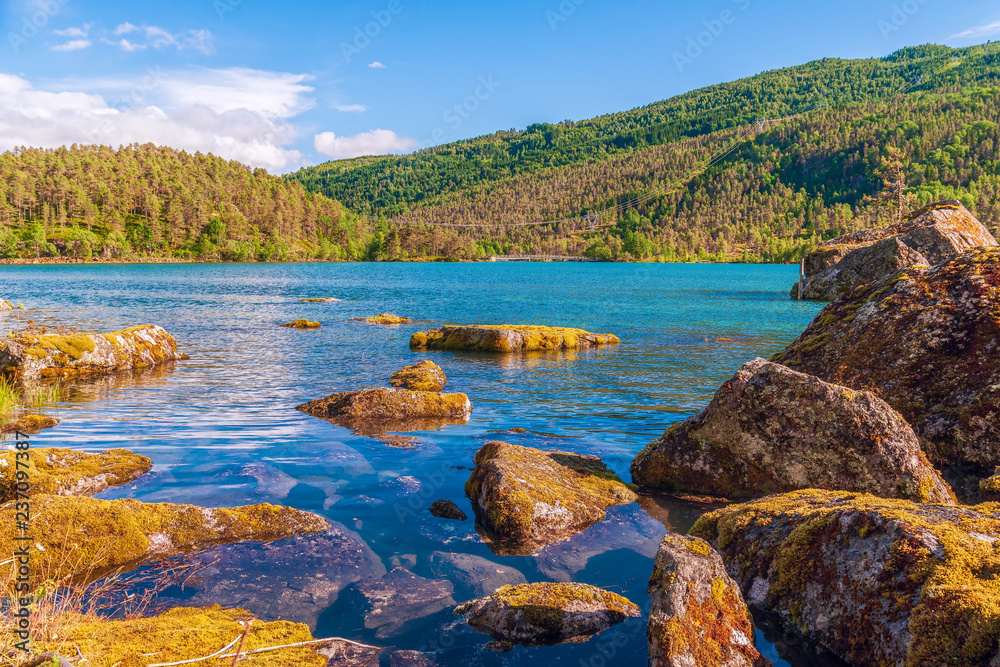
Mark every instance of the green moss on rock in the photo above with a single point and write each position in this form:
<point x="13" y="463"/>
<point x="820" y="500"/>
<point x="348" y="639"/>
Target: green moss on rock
<point x="30" y="424"/>
<point x="302" y="324"/>
<point x="384" y="318"/>
<point x="424" y="376"/>
<point x="509" y="338"/>
<point x="67" y="472"/>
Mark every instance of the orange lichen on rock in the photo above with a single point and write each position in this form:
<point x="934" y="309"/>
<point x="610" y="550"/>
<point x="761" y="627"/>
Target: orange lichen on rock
<point x="508" y="338"/>
<point x="302" y="324"/>
<point x="379" y="410"/>
<point x="384" y="318"/>
<point x="424" y="376"/>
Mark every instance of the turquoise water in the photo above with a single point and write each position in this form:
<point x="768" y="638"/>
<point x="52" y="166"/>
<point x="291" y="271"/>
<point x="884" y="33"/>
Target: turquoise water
<point x="221" y="428"/>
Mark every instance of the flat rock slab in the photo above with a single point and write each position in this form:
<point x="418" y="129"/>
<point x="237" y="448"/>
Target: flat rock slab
<point x="525" y="498"/>
<point x="384" y="318"/>
<point x="302" y="324"/>
<point x="424" y="376"/>
<point x="475" y="576"/>
<point x="877" y="581"/>
<point x="294" y="579"/>
<point x="391" y="602"/>
<point x="30" y="424"/>
<point x="545" y="614"/>
<point x="376" y="411"/>
<point x="509" y="338"/>
<point x="28" y="356"/>
<point x="67" y="472"/>
<point x="698" y="616"/>
<point x="770" y="429"/>
<point x="925" y="340"/>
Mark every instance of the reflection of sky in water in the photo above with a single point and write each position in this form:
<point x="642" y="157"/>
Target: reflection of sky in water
<point x="222" y="430"/>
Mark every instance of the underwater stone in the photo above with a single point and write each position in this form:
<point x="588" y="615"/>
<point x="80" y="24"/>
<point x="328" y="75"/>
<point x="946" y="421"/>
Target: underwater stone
<point x="390" y="602"/>
<point x="446" y="509"/>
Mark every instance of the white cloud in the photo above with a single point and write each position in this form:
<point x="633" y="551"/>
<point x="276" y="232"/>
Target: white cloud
<point x="125" y="28"/>
<point x="350" y="108"/>
<point x="129" y="46"/>
<point x="72" y="45"/>
<point x="82" y="31"/>
<point x="374" y="142"/>
<point x="155" y="37"/>
<point x="241" y="125"/>
<point x="376" y="65"/>
<point x="978" y="32"/>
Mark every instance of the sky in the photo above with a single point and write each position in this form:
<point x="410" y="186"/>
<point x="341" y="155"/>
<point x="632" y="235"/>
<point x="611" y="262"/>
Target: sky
<point x="286" y="85"/>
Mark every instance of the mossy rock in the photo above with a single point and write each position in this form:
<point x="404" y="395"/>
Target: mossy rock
<point x="325" y="299"/>
<point x="925" y="340"/>
<point x="80" y="534"/>
<point x="384" y="318"/>
<point x="877" y="581"/>
<point x="302" y="324"/>
<point x="509" y="338"/>
<point x="67" y="472"/>
<point x="30" y="424"/>
<point x="5" y="305"/>
<point x="424" y="376"/>
<point x="990" y="486"/>
<point x="547" y="613"/>
<point x="376" y="411"/>
<point x="186" y="633"/>
<point x="526" y="498"/>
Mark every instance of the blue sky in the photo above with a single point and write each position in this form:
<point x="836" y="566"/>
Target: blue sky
<point x="286" y="85"/>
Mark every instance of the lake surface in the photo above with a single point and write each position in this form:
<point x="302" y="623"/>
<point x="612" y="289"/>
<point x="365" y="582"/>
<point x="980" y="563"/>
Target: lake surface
<point x="221" y="428"/>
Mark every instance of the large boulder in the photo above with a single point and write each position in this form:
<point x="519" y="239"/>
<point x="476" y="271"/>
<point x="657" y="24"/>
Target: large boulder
<point x="390" y="409"/>
<point x="525" y="498"/>
<point x="931" y="235"/>
<point x="423" y="376"/>
<point x="925" y="340"/>
<point x="878" y="582"/>
<point x="547" y="613"/>
<point x="67" y="472"/>
<point x="84" y="534"/>
<point x="508" y="338"/>
<point x="698" y="617"/>
<point x="28" y="356"/>
<point x="771" y="429"/>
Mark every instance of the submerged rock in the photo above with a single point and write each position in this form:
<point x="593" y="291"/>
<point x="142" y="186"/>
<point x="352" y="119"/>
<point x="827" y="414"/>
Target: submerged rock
<point x="446" y="509"/>
<point x="508" y="338"/>
<point x="931" y="235"/>
<point x="925" y="340"/>
<point x="877" y="581"/>
<point x="381" y="409"/>
<point x="771" y="429"/>
<point x="399" y="597"/>
<point x="27" y="356"/>
<point x="384" y="318"/>
<point x="412" y="659"/>
<point x="67" y="472"/>
<point x="525" y="498"/>
<point x="698" y="616"/>
<point x="86" y="533"/>
<point x="302" y="324"/>
<point x="425" y="376"/>
<point x="547" y="613"/>
<point x="475" y="575"/>
<point x="30" y="424"/>
<point x="186" y="634"/>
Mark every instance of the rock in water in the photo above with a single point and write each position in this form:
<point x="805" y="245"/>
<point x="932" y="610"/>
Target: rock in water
<point x="425" y="376"/>
<point x="474" y="573"/>
<point x="5" y="305"/>
<point x="446" y="509"/>
<point x="412" y="659"/>
<point x="384" y="318"/>
<point x="927" y="341"/>
<point x="879" y="582"/>
<point x="547" y="613"/>
<point x="770" y="430"/>
<point x="931" y="235"/>
<point x="30" y="424"/>
<point x="28" y="356"/>
<point x="526" y="498"/>
<point x="302" y="324"/>
<point x="508" y="338"/>
<point x="67" y="472"/>
<point x="391" y="602"/>
<point x="381" y="409"/>
<point x="698" y="616"/>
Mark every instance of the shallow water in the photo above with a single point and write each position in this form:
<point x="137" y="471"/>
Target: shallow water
<point x="221" y="428"/>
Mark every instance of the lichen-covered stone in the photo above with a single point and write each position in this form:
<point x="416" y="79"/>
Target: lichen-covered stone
<point x="67" y="472"/>
<point x="877" y="581"/>
<point x="446" y="509"/>
<point x="698" y="617"/>
<point x="525" y="498"/>
<point x="81" y="533"/>
<point x="5" y="305"/>
<point x="770" y="429"/>
<point x="508" y="338"/>
<point x="547" y="613"/>
<point x="925" y="340"/>
<point x="990" y="486"/>
<point x="30" y="424"/>
<point x="424" y="376"/>
<point x="28" y="356"/>
<point x="187" y="633"/>
<point x="302" y="324"/>
<point x="381" y="409"/>
<point x="324" y="299"/>
<point x="384" y="318"/>
<point x="931" y="235"/>
<point x="391" y="602"/>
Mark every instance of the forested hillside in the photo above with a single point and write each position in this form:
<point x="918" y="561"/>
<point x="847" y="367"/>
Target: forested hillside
<point x="143" y="201"/>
